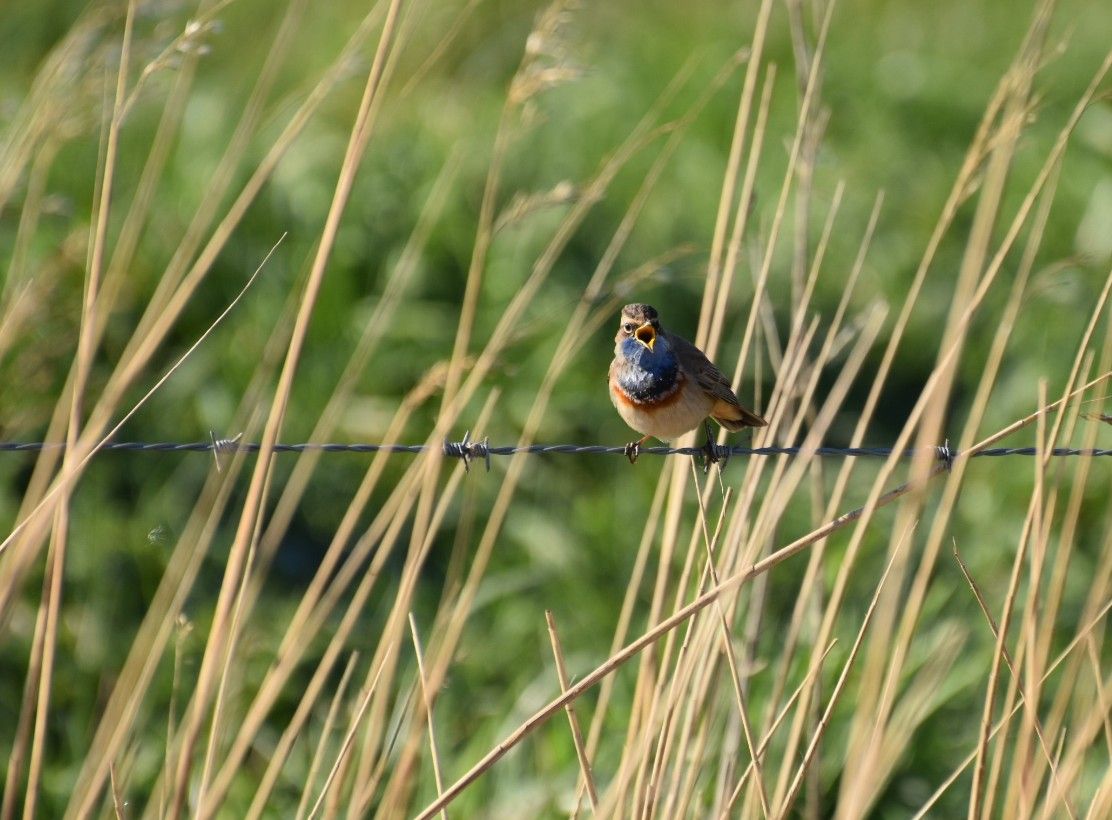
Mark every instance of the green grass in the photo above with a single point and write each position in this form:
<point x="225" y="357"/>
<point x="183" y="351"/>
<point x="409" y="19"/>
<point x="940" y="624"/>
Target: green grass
<point x="882" y="228"/>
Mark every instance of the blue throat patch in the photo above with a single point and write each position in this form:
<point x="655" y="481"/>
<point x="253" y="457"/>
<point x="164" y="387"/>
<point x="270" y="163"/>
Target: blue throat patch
<point x="647" y="376"/>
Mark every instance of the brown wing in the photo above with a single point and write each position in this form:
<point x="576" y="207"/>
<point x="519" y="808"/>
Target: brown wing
<point x="727" y="410"/>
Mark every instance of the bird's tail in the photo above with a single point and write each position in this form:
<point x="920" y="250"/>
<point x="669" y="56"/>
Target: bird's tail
<point x="734" y="417"/>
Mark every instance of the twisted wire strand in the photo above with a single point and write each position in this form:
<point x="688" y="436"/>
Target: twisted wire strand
<point x="466" y="448"/>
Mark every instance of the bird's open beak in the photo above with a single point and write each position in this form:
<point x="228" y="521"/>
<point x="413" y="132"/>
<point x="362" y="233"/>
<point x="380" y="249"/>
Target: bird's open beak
<point x="646" y="335"/>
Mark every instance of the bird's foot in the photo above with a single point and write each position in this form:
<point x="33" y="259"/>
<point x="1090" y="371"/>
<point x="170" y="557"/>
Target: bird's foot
<point x="711" y="453"/>
<point x="633" y="449"/>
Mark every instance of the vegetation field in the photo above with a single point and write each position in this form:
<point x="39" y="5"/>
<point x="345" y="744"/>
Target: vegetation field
<point x="364" y="222"/>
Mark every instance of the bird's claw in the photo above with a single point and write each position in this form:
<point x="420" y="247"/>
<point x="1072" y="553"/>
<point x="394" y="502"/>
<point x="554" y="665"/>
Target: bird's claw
<point x="632" y="450"/>
<point x="711" y="452"/>
<point x="710" y="455"/>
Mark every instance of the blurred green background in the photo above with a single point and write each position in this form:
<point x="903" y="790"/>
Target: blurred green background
<point x="905" y="85"/>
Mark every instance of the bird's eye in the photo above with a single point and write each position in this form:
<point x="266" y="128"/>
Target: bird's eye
<point x="628" y="327"/>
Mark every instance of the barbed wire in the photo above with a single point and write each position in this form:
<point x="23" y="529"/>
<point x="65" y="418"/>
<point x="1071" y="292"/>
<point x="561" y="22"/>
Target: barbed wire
<point x="469" y="450"/>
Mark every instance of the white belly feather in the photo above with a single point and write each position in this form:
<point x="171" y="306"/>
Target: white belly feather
<point x="669" y="419"/>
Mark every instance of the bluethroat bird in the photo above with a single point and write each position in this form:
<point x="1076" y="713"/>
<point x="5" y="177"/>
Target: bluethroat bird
<point x="664" y="386"/>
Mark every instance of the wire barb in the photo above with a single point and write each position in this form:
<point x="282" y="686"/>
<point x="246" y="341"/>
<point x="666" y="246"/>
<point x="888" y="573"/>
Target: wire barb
<point x="220" y="445"/>
<point x="224" y="444"/>
<point x="467" y="449"/>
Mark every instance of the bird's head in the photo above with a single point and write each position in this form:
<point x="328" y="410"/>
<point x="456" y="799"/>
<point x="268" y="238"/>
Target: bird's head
<point x="640" y="324"/>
